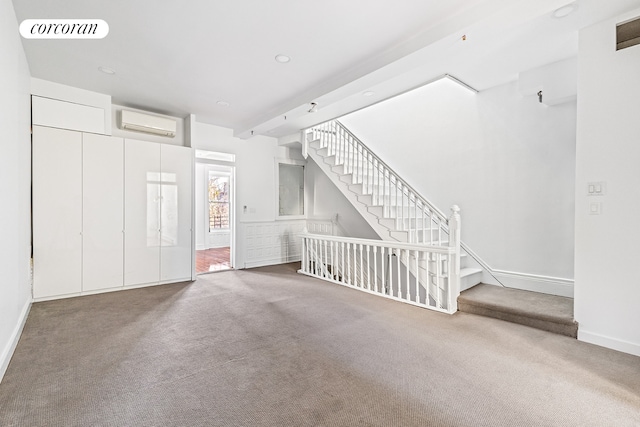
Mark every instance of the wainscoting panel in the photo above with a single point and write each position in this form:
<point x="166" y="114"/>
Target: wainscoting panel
<point x="272" y="242"/>
<point x="322" y="226"/>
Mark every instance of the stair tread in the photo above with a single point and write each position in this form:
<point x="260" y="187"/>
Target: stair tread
<point x="468" y="271"/>
<point x="519" y="306"/>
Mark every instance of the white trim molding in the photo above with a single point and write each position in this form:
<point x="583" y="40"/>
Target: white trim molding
<point x="535" y="282"/>
<point x="609" y="342"/>
<point x="525" y="281"/>
<point x="7" y="352"/>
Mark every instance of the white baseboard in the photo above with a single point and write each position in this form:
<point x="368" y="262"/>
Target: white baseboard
<point x="536" y="283"/>
<point x="271" y="261"/>
<point x="7" y="353"/>
<point x="114" y="289"/>
<point x="609" y="342"/>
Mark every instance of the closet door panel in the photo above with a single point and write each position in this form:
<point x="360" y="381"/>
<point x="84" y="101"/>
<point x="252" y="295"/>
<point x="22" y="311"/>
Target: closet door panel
<point x="57" y="212"/>
<point x="175" y="213"/>
<point x="103" y="212"/>
<point x="142" y="212"/>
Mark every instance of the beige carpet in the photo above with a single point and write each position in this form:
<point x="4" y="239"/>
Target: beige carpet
<point x="269" y="347"/>
<point x="547" y="312"/>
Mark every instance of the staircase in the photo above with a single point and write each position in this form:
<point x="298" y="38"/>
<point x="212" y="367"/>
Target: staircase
<point x="394" y="210"/>
<point x="419" y="258"/>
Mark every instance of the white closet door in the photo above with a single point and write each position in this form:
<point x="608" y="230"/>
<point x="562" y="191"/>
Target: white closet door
<point x="175" y="217"/>
<point x="57" y="212"/>
<point x="142" y="212"/>
<point x="103" y="212"/>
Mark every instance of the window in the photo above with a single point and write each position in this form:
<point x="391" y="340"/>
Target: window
<point x="218" y="202"/>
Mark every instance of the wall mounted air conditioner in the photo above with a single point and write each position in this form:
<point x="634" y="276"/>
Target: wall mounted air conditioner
<point x="139" y="122"/>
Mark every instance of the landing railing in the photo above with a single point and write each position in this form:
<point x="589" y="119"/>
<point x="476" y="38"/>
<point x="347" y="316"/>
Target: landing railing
<point x="423" y="275"/>
<point x="412" y="213"/>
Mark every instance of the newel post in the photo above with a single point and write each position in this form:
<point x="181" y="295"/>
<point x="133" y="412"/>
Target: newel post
<point x="304" y="249"/>
<point x="304" y="140"/>
<point x="454" y="266"/>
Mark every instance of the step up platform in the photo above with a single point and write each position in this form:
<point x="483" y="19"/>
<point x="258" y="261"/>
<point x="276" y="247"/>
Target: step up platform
<point x="541" y="311"/>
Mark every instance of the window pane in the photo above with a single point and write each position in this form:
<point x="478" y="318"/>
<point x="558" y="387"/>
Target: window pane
<point x="218" y="202"/>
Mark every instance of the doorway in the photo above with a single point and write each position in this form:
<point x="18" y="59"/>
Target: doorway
<point x="214" y="211"/>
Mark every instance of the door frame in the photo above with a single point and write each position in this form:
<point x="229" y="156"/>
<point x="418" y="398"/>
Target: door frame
<point x="210" y="165"/>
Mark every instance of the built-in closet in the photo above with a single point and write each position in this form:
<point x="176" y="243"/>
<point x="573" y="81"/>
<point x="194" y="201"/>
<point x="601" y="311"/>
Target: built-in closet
<point x="108" y="212"/>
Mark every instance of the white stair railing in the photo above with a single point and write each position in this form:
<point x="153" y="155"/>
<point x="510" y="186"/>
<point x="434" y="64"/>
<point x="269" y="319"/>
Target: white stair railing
<point x="423" y="275"/>
<point x="413" y="214"/>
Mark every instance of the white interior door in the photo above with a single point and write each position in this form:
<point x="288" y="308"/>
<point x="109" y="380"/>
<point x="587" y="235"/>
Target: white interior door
<point x="57" y="212"/>
<point x="103" y="212"/>
<point x="142" y="179"/>
<point x="175" y="213"/>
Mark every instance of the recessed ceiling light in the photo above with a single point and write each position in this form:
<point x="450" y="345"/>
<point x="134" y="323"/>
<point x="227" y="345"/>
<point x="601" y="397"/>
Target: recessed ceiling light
<point x="223" y="103"/>
<point x="283" y="59"/>
<point x="368" y="93"/>
<point x="564" y="11"/>
<point x="107" y="70"/>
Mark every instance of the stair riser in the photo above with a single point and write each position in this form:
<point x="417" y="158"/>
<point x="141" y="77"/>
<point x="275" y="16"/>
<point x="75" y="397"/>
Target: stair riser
<point x="410" y="223"/>
<point x="558" y="328"/>
<point x="389" y="212"/>
<point x="418" y="237"/>
<point x="343" y="188"/>
<point x="393" y="204"/>
<point x="402" y="214"/>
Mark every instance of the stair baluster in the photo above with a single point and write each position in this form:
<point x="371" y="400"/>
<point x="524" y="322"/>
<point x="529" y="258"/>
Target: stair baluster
<point x="404" y="213"/>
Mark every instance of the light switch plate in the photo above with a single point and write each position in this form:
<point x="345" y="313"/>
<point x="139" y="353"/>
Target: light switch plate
<point x="596" y="188"/>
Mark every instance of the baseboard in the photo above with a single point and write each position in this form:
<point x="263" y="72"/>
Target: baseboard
<point x="271" y="261"/>
<point x="7" y="353"/>
<point x="536" y="283"/>
<point x="114" y="289"/>
<point x="608" y="342"/>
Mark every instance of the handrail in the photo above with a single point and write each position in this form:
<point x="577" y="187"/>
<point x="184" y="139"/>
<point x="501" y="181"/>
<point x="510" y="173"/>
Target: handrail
<point x="405" y="183"/>
<point x="418" y="217"/>
<point x="380" y="243"/>
<point x="333" y="129"/>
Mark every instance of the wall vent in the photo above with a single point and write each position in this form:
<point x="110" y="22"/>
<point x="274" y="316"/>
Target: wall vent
<point x="628" y="34"/>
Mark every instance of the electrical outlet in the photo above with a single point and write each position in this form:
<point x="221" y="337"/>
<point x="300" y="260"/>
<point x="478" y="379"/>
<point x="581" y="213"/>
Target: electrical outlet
<point x="595" y="208"/>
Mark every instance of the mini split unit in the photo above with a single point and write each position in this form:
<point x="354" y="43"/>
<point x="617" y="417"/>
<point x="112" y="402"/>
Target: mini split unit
<point x="139" y="122"/>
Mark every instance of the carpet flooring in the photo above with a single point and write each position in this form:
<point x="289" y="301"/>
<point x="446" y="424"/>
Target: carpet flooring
<point x="547" y="312"/>
<point x="269" y="347"/>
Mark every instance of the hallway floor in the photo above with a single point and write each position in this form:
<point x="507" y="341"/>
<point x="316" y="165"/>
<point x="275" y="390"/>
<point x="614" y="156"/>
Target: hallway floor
<point x="215" y="259"/>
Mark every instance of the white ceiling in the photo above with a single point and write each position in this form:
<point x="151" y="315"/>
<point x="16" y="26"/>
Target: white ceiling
<point x="181" y="57"/>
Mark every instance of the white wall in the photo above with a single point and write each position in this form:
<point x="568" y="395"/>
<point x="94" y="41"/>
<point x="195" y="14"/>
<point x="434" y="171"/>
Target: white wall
<point x="255" y="175"/>
<point x="607" y="290"/>
<point x="506" y="160"/>
<point x="15" y="170"/>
